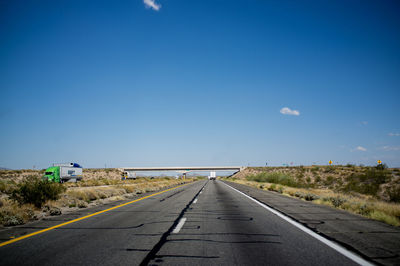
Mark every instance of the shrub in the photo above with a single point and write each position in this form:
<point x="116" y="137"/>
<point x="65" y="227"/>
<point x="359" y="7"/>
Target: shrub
<point x="7" y="186"/>
<point x="381" y="166"/>
<point x="311" y="197"/>
<point x="337" y="201"/>
<point x="55" y="211"/>
<point x="35" y="191"/>
<point x="329" y="169"/>
<point x="277" y="178"/>
<point x="367" y="182"/>
<point x="308" y="196"/>
<point x="2" y="186"/>
<point x="92" y="195"/>
<point x="11" y="220"/>
<point x="82" y="204"/>
<point x="364" y="210"/>
<point x="315" y="169"/>
<point x="326" y="199"/>
<point x="300" y="176"/>
<point x="394" y="193"/>
<point x="329" y="180"/>
<point x="12" y="214"/>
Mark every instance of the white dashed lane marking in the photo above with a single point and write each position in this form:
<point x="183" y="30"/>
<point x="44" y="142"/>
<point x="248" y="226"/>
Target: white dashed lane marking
<point x="179" y="226"/>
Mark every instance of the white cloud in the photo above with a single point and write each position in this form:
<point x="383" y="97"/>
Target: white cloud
<point x="391" y="148"/>
<point x="359" y="148"/>
<point x="288" y="111"/>
<point x="152" y="4"/>
<point x="394" y="134"/>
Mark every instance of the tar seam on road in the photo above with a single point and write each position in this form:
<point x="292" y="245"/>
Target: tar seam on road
<point x="153" y="252"/>
<point x="347" y="253"/>
<point x="84" y="217"/>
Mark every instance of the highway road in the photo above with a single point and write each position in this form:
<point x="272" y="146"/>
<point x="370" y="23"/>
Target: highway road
<point x="202" y="223"/>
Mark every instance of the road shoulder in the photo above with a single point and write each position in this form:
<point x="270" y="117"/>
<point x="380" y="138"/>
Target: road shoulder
<point x="371" y="239"/>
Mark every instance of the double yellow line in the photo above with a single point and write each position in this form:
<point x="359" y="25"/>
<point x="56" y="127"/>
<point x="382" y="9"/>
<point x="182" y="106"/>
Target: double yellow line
<point x="85" y="217"/>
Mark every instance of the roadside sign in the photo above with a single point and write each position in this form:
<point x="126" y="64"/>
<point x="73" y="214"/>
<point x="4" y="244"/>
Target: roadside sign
<point x="330" y="162"/>
<point x="379" y="161"/>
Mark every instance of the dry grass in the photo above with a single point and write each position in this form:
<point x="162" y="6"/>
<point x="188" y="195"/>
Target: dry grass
<point x="75" y="195"/>
<point x="78" y="195"/>
<point x="384" y="184"/>
<point x="13" y="214"/>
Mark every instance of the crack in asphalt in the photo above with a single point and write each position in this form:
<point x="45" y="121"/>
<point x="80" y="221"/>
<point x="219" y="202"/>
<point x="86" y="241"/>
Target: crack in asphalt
<point x="153" y="252"/>
<point x="179" y="191"/>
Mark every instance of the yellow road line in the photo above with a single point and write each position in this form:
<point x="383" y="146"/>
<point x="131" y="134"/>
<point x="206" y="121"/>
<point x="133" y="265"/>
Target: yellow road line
<point x="84" y="217"/>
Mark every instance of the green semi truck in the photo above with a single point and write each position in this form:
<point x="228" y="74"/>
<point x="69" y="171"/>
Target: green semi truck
<point x="63" y="172"/>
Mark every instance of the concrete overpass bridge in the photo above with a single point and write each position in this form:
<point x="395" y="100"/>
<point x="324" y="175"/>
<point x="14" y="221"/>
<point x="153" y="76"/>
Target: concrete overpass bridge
<point x="183" y="169"/>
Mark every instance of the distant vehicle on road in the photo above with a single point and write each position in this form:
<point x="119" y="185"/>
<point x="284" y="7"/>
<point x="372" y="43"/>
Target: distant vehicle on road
<point x="128" y="175"/>
<point x="212" y="176"/>
<point x="63" y="172"/>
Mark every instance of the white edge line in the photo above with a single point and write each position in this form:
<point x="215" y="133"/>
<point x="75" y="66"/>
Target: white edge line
<point x="179" y="226"/>
<point x="195" y="200"/>
<point x="354" y="257"/>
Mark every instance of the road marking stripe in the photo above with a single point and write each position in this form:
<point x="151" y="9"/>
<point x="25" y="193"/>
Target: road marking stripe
<point x="179" y="226"/>
<point x="347" y="253"/>
<point x="195" y="200"/>
<point x="85" y="217"/>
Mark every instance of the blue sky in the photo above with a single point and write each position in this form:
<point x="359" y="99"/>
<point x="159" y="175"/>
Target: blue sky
<point x="144" y="83"/>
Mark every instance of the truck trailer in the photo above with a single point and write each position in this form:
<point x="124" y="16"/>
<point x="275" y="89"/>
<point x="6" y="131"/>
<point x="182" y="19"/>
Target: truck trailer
<point x="63" y="172"/>
<point x="128" y="175"/>
<point x="212" y="176"/>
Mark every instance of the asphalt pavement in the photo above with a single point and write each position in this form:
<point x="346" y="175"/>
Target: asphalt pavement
<point x="371" y="239"/>
<point x="202" y="223"/>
